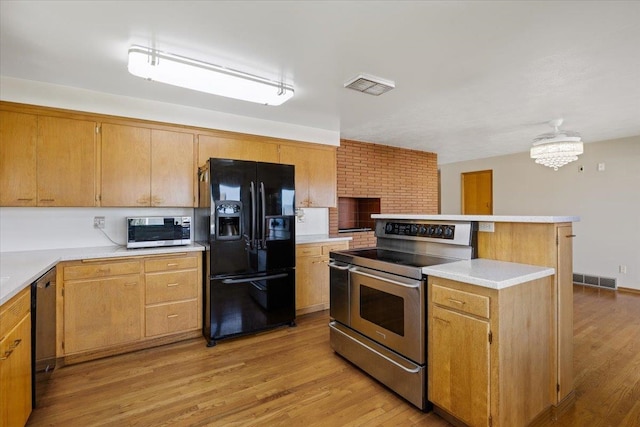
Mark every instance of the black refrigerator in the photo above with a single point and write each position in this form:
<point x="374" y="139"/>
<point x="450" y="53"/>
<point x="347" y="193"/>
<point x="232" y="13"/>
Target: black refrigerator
<point x="247" y="217"/>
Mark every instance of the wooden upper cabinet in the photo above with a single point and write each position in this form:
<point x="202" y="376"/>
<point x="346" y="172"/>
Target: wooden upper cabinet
<point x="47" y="161"/>
<point x="126" y="165"/>
<point x="173" y="172"/>
<point x="316" y="178"/>
<point x="66" y="153"/>
<point x="237" y="149"/>
<point x="147" y="167"/>
<point x="18" y="136"/>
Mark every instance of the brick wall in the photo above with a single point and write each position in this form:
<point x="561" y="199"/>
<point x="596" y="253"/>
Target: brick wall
<point x="406" y="181"/>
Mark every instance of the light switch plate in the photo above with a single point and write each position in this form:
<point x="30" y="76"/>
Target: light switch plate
<point x="488" y="227"/>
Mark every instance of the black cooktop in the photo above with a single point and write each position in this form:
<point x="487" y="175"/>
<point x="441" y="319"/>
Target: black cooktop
<point x="403" y="263"/>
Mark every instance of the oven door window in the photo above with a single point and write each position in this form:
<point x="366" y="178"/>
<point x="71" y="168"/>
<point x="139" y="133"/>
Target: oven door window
<point x="383" y="309"/>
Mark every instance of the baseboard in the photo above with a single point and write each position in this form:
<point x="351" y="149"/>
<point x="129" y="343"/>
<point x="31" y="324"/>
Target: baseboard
<point x="563" y="406"/>
<point x="629" y="290"/>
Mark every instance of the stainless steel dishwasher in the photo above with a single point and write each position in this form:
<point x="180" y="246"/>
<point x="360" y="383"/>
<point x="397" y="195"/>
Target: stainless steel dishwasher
<point x="43" y="332"/>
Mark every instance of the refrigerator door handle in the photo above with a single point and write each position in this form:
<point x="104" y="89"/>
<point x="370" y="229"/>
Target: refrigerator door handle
<point x="253" y="214"/>
<point x="253" y="279"/>
<point x="263" y="216"/>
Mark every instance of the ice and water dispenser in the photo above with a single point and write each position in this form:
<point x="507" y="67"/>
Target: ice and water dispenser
<point x="228" y="220"/>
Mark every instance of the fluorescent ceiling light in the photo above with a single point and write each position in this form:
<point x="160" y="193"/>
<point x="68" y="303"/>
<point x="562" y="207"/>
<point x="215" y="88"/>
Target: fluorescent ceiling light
<point x="179" y="71"/>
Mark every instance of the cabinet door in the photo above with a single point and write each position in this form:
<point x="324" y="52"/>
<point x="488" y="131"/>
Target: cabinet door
<point x="237" y="149"/>
<point x="126" y="166"/>
<point x="173" y="172"/>
<point x="315" y="174"/>
<point x="15" y="375"/>
<point x="66" y="162"/>
<point x="459" y="365"/>
<point x="564" y="280"/>
<point x="102" y="313"/>
<point x="18" y="135"/>
<point x="312" y="279"/>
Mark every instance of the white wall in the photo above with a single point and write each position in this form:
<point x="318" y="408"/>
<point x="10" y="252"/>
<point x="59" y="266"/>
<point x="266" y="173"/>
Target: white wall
<point x="607" y="202"/>
<point x="23" y="229"/>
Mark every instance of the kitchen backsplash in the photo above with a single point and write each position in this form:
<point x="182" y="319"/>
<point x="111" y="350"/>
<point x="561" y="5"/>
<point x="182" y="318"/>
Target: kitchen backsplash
<point x="47" y="228"/>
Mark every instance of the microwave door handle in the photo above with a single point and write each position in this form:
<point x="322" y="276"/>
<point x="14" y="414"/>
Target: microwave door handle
<point x="263" y="217"/>
<point x="253" y="214"/>
<point x="339" y="267"/>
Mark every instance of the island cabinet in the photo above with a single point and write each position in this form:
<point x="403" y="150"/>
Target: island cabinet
<point x="548" y="245"/>
<point x="142" y="166"/>
<point x="315" y="173"/>
<point x="36" y="149"/>
<point x="15" y="360"/>
<point x="312" y="275"/>
<point x="115" y="305"/>
<point x="490" y="352"/>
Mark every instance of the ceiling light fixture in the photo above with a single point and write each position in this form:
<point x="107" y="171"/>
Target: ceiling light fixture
<point x="556" y="149"/>
<point x="179" y="71"/>
<point x="369" y="84"/>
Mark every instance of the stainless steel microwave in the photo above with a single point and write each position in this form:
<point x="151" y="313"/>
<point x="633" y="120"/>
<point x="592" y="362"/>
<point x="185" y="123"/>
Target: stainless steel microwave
<point x="154" y="231"/>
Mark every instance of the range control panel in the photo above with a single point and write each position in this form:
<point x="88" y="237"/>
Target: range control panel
<point x="438" y="231"/>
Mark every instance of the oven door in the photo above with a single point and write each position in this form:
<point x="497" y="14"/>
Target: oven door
<point x="389" y="309"/>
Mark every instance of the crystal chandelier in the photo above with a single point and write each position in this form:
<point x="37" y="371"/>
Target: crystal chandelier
<point x="556" y="149"/>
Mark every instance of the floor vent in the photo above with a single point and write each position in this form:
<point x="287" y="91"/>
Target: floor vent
<point x="597" y="281"/>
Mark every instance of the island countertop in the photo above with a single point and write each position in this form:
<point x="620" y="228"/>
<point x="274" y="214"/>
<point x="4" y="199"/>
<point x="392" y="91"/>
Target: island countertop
<point x="19" y="269"/>
<point x="488" y="273"/>
<point x="483" y="218"/>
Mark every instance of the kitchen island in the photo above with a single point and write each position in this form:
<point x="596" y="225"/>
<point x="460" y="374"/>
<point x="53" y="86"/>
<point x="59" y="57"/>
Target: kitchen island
<point x="544" y="241"/>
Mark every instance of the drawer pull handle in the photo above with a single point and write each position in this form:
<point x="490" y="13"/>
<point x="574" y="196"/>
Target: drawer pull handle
<point x="130" y="285"/>
<point x="104" y="270"/>
<point x="6" y="355"/>
<point x="456" y="301"/>
<point x="172" y="264"/>
<point x="24" y="200"/>
<point x="47" y="200"/>
<point x="171" y="285"/>
<point x="172" y="315"/>
<point x="442" y="320"/>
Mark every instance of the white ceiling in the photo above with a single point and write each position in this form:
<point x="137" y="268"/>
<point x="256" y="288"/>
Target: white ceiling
<point x="474" y="79"/>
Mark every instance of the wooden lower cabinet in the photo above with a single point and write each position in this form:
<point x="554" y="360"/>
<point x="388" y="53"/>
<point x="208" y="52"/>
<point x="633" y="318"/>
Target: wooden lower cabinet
<point x="491" y="352"/>
<point x="173" y="289"/>
<point x="15" y="360"/>
<point x="111" y="306"/>
<point x="312" y="275"/>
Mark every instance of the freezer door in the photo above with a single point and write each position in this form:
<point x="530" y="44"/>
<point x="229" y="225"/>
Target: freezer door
<point x="237" y="305"/>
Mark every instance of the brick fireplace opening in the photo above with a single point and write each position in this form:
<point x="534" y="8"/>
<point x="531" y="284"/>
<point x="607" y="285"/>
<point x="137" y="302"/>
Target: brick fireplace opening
<point x="354" y="213"/>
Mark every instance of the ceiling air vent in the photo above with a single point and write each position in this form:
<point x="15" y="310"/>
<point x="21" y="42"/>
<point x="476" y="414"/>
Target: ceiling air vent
<point x="372" y="85"/>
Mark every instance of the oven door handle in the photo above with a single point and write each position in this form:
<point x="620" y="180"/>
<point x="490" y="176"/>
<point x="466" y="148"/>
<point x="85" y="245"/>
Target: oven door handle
<point x="384" y="279"/>
<point x="254" y="279"/>
<point x="411" y="371"/>
<point x="339" y="267"/>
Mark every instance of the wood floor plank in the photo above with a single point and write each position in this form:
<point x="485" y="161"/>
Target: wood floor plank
<point x="291" y="377"/>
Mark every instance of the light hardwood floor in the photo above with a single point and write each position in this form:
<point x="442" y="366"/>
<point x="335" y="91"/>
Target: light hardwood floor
<point x="291" y="377"/>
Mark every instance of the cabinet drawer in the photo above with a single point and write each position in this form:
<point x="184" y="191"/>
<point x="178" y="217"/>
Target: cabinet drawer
<point x="168" y="264"/>
<point x="308" y="250"/>
<point x="334" y="247"/>
<point x="90" y="270"/>
<point x="477" y="305"/>
<point x="172" y="286"/>
<point x="13" y="311"/>
<point x="168" y="318"/>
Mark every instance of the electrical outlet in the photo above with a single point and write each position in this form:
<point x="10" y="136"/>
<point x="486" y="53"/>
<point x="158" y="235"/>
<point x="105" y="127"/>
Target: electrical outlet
<point x="488" y="227"/>
<point x="98" y="222"/>
<point x="622" y="269"/>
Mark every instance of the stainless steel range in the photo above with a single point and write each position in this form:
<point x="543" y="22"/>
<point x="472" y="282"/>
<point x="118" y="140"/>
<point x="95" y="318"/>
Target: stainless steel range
<point x="378" y="299"/>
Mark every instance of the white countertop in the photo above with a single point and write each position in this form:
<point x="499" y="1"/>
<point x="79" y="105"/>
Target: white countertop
<point x="319" y="238"/>
<point x="19" y="269"/>
<point x="483" y="218"/>
<point x="488" y="273"/>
